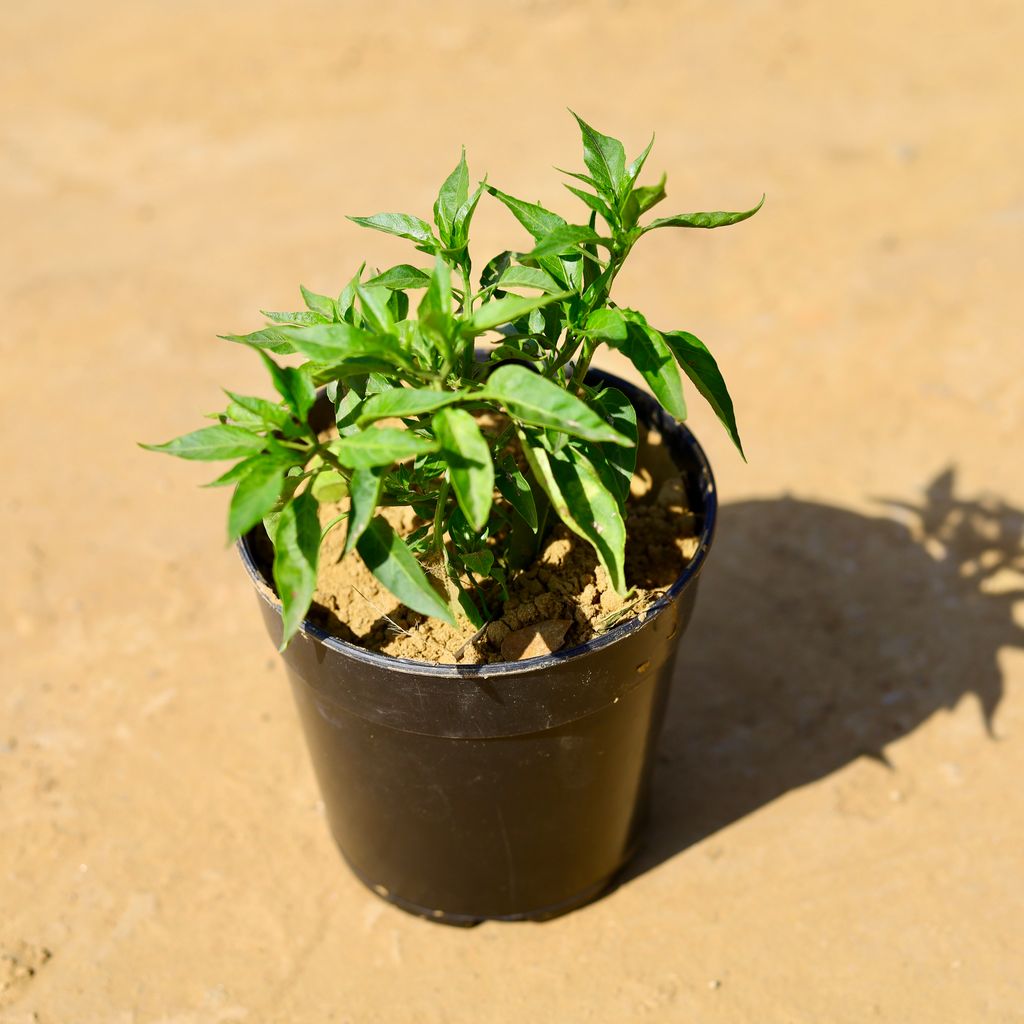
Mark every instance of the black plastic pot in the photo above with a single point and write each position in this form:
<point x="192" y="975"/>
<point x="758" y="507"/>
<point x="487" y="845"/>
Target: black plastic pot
<point x="511" y="791"/>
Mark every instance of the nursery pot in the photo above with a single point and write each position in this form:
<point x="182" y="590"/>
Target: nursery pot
<point x="513" y="790"/>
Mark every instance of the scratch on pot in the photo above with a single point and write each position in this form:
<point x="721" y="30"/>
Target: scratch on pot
<point x="509" y="859"/>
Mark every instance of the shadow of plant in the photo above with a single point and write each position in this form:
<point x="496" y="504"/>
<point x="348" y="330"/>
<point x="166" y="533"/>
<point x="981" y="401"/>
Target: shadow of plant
<point x="821" y="636"/>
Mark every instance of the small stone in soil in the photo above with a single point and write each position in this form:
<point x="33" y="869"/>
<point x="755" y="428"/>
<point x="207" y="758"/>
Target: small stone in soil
<point x="534" y="641"/>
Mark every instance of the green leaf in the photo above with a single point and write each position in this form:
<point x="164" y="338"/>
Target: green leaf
<point x="235" y="473"/>
<point x="347" y="298"/>
<point x="270" y="413"/>
<point x="529" y="277"/>
<point x="329" y="486"/>
<point x="479" y="562"/>
<point x="463" y="217"/>
<point x="302" y="318"/>
<point x="388" y="558"/>
<point x="516" y="491"/>
<point x="401" y="277"/>
<point x="379" y="446"/>
<point x="454" y="192"/>
<point x="273" y="339"/>
<point x="700" y="366"/>
<point x="604" y="156"/>
<point x="607" y="325"/>
<point x="347" y="410"/>
<point x="502" y="311"/>
<point x="469" y="461"/>
<point x="296" y="551"/>
<point x="533" y="399"/>
<point x="615" y="464"/>
<point x="401" y="224"/>
<point x="647" y="351"/>
<point x="211" y="444"/>
<point x="582" y="502"/>
<point x="374" y="304"/>
<point x="717" y="219"/>
<point x="538" y="221"/>
<point x="319" y="303"/>
<point x="293" y="384"/>
<point x="585" y="178"/>
<point x="641" y="200"/>
<point x="596" y="203"/>
<point x="565" y="238"/>
<point x="364" y="492"/>
<point x="634" y="169"/>
<point x="403" y="402"/>
<point x="329" y="343"/>
<point x="494" y="269"/>
<point x="435" y="310"/>
<point x="256" y="494"/>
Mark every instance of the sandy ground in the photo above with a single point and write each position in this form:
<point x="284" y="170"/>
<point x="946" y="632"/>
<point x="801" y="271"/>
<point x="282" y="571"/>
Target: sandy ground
<point x="838" y="831"/>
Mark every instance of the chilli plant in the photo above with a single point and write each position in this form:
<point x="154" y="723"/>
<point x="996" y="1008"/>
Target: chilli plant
<point x="486" y="450"/>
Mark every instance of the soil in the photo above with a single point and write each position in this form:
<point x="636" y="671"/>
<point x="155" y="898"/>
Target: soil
<point x="565" y="582"/>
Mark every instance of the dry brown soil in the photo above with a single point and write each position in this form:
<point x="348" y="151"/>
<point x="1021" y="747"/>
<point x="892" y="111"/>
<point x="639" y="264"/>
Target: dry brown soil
<point x="838" y="817"/>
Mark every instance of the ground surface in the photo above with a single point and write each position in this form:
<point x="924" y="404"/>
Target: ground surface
<point x="838" y="835"/>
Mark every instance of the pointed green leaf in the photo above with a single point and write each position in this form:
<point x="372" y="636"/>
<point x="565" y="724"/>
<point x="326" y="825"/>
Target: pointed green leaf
<point x="364" y="494"/>
<point x="634" y="169"/>
<point x="494" y="269"/>
<point x="379" y="446"/>
<point x="273" y="414"/>
<point x="454" y="192"/>
<point x="502" y="311"/>
<point x="647" y="351"/>
<point x="273" y="339"/>
<point x="607" y="325"/>
<point x="596" y="203"/>
<point x="302" y="317"/>
<point x="717" y="219"/>
<point x="256" y="494"/>
<point x="564" y="239"/>
<point x="211" y="444"/>
<point x="296" y="552"/>
<point x="329" y="486"/>
<point x="604" y="156"/>
<point x="347" y="410"/>
<point x="464" y="216"/>
<point x="641" y="200"/>
<point x="336" y="342"/>
<point x="479" y="562"/>
<point x="403" y="402"/>
<point x="235" y="473"/>
<point x="615" y="464"/>
<point x="700" y="366"/>
<point x="469" y="461"/>
<point x="529" y="277"/>
<point x="374" y="304"/>
<point x="293" y="383"/>
<point x="401" y="277"/>
<point x="319" y="303"/>
<point x="581" y="501"/>
<point x="538" y="221"/>
<point x="401" y="224"/>
<point x="516" y="491"/>
<point x="388" y="558"/>
<point x="530" y="398"/>
<point x="347" y="298"/>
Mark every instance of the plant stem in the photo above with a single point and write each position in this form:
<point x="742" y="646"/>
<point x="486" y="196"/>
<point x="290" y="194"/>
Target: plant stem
<point x="442" y="501"/>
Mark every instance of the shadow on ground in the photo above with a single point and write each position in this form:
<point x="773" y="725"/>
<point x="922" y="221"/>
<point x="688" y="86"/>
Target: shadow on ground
<point x="821" y="636"/>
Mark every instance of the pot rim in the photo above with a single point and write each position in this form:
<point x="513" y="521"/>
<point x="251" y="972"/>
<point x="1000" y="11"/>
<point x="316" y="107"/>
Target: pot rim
<point x="410" y="666"/>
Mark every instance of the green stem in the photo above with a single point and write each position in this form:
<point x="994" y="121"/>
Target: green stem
<point x="442" y="501"/>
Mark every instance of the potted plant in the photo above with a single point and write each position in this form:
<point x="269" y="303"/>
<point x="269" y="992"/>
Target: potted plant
<point x="444" y="439"/>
